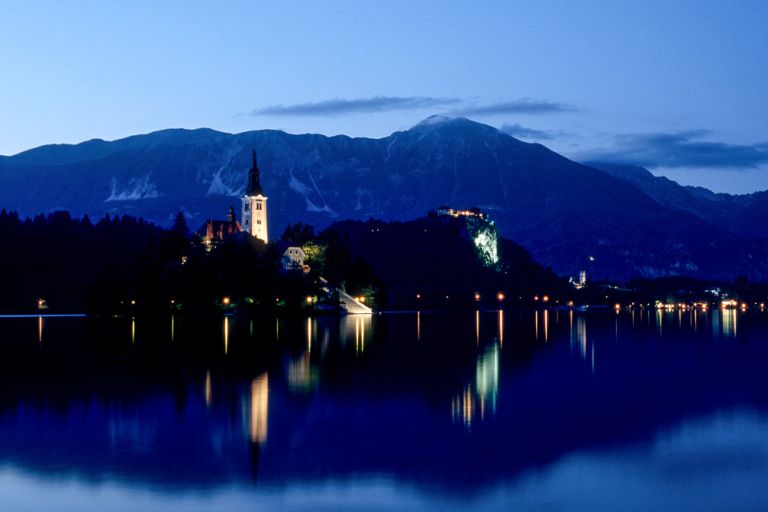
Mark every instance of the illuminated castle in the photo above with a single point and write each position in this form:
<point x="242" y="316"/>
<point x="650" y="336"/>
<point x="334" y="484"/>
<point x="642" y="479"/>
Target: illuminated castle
<point x="254" y="218"/>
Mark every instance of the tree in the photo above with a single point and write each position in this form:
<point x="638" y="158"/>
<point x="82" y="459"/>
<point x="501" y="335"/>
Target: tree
<point x="298" y="234"/>
<point x="180" y="226"/>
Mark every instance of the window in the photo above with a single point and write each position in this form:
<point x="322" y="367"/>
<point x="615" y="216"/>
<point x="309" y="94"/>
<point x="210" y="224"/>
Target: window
<point x="247" y="207"/>
<point x="258" y="222"/>
<point x="258" y="206"/>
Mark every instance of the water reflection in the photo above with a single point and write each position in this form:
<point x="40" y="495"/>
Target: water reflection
<point x="578" y="341"/>
<point x="208" y="389"/>
<point x="40" y="325"/>
<point x="356" y="329"/>
<point x="225" y="331"/>
<point x="501" y="327"/>
<point x="310" y="333"/>
<point x="477" y="399"/>
<point x="259" y="409"/>
<point x="302" y="376"/>
<point x="487" y="378"/>
<point x="304" y="410"/>
<point x="418" y="326"/>
<point x="730" y="322"/>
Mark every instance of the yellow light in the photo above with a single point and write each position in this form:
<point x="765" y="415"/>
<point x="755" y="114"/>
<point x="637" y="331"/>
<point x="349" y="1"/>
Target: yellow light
<point x="361" y="299"/>
<point x="500" y="296"/>
<point x="418" y="296"/>
<point x="617" y="306"/>
<point x="133" y="302"/>
<point x="535" y="297"/>
<point x="477" y="296"/>
<point x="545" y="298"/>
<point x="225" y="301"/>
<point x="309" y="299"/>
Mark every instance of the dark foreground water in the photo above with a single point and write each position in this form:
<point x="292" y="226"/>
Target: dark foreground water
<point x="430" y="411"/>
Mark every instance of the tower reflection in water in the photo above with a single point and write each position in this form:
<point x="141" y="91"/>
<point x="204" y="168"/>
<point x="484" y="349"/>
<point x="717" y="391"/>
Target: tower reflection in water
<point x="259" y="409"/>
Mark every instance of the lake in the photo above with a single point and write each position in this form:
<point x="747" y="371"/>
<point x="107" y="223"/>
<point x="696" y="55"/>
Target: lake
<point x="486" y="410"/>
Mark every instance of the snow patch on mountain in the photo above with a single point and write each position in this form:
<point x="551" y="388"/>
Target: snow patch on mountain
<point x="226" y="183"/>
<point x="138" y="188"/>
<point x="433" y="120"/>
<point x="302" y="189"/>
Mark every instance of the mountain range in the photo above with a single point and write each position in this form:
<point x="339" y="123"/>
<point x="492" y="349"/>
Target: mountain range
<point x="614" y="221"/>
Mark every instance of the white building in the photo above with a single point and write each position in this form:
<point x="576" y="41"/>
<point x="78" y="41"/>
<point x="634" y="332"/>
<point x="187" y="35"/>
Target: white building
<point x="255" y="205"/>
<point x="293" y="258"/>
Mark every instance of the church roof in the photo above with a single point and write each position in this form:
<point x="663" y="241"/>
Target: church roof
<point x="254" y="179"/>
<point x="218" y="229"/>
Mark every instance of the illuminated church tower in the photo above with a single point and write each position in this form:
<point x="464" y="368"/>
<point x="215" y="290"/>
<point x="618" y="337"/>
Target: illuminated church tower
<point x="255" y="205"/>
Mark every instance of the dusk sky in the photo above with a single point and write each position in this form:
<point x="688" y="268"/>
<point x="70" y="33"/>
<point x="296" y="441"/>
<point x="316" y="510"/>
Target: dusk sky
<point x="679" y="87"/>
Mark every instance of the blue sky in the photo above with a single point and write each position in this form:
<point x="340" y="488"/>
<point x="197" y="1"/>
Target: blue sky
<point x="677" y="86"/>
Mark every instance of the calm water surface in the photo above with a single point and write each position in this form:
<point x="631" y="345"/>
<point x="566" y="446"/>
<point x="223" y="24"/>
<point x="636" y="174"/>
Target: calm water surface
<point x="412" y="411"/>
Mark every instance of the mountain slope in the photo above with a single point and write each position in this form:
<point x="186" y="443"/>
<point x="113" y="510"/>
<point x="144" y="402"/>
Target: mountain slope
<point x="570" y="216"/>
<point x="742" y="214"/>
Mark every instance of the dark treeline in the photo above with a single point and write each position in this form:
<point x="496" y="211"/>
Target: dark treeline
<point x="125" y="264"/>
<point x="64" y="260"/>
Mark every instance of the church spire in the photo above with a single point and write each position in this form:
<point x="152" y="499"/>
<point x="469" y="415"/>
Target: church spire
<point x="254" y="179"/>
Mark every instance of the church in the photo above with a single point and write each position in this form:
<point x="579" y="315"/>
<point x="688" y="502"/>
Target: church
<point x="253" y="215"/>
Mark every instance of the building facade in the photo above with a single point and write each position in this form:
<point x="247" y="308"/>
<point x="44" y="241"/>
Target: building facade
<point x="254" y="215"/>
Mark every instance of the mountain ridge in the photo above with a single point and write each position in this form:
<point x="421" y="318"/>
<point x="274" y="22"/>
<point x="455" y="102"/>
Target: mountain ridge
<point x="568" y="215"/>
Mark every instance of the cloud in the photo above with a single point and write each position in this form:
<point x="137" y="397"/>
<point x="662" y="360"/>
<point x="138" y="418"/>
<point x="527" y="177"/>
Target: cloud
<point x="340" y="106"/>
<point x="521" y="106"/>
<point x="680" y="150"/>
<point x="523" y="132"/>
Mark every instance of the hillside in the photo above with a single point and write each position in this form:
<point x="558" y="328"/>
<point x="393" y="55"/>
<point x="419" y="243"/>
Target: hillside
<point x="741" y="214"/>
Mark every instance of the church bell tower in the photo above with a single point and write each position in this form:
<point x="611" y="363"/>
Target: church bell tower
<point x="255" y="205"/>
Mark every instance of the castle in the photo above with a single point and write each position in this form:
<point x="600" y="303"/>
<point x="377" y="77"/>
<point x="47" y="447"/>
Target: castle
<point x="254" y="214"/>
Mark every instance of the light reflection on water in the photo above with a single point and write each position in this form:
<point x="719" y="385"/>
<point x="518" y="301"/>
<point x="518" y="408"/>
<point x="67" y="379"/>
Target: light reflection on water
<point x="329" y="409"/>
